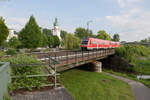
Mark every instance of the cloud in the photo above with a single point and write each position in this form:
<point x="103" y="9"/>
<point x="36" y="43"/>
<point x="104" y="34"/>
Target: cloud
<point x="16" y="23"/>
<point x="132" y="24"/>
<point x="124" y="3"/>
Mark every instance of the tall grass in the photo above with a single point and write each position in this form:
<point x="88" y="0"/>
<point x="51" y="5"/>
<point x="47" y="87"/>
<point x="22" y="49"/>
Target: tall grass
<point x="138" y="55"/>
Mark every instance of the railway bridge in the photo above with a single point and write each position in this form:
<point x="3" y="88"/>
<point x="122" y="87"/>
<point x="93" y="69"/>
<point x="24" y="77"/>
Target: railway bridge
<point x="64" y="60"/>
<point x="55" y="62"/>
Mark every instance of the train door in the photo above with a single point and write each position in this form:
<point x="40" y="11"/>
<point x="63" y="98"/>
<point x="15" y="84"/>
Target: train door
<point x="97" y="44"/>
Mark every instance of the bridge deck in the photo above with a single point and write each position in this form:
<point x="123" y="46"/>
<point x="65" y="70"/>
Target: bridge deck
<point x="70" y="59"/>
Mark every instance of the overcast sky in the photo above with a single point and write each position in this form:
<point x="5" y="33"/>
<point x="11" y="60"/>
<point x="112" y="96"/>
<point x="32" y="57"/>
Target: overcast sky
<point x="129" y="18"/>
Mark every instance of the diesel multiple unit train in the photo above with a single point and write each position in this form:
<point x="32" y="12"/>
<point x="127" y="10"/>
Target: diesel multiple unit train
<point x="94" y="43"/>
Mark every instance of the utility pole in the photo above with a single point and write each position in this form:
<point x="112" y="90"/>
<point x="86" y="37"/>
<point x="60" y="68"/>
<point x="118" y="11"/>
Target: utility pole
<point x="88" y="22"/>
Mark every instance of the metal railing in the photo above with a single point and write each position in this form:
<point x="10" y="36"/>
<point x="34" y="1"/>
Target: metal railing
<point x="49" y="69"/>
<point x="4" y="79"/>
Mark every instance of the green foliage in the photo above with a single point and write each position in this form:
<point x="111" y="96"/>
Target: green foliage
<point x="11" y="52"/>
<point x="138" y="55"/>
<point x="23" y="71"/>
<point x="130" y="76"/>
<point x="63" y="34"/>
<point x="14" y="42"/>
<point x="2" y="53"/>
<point x="142" y="66"/>
<point x="116" y="37"/>
<point x="44" y="41"/>
<point x="146" y="82"/>
<point x="47" y="32"/>
<point x="103" y="35"/>
<point x="3" y="31"/>
<point x="31" y="35"/>
<point x="85" y="85"/>
<point x="82" y="32"/>
<point x="131" y="52"/>
<point x="7" y="97"/>
<point x="50" y="41"/>
<point x="72" y="42"/>
<point x="56" y="41"/>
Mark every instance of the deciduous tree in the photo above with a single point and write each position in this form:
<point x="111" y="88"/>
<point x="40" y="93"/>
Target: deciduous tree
<point x="56" y="41"/>
<point x="116" y="37"/>
<point x="50" y="41"/>
<point x="47" y="32"/>
<point x="31" y="35"/>
<point x="72" y="42"/>
<point x="63" y="34"/>
<point x="13" y="42"/>
<point x="103" y="35"/>
<point x="3" y="31"/>
<point x="82" y="32"/>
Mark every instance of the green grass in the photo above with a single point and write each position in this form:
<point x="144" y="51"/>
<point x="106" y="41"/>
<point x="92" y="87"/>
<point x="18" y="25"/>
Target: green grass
<point x="2" y="53"/>
<point x="143" y="66"/>
<point x="84" y="85"/>
<point x="130" y="76"/>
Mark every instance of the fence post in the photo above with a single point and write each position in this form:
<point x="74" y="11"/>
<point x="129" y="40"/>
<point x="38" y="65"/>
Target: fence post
<point x="67" y="56"/>
<point x="82" y="55"/>
<point x="55" y="84"/>
<point x="88" y="54"/>
<point x="75" y="56"/>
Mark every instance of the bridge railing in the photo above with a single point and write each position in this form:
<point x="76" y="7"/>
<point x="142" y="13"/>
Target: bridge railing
<point x="75" y="57"/>
<point x="48" y="68"/>
<point x="4" y="79"/>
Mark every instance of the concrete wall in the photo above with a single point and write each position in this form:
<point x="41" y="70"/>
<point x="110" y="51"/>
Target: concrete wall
<point x="97" y="66"/>
<point x="4" y="78"/>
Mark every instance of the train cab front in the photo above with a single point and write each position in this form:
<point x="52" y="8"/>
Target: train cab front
<point x="84" y="44"/>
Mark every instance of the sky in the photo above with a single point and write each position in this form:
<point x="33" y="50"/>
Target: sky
<point x="129" y="18"/>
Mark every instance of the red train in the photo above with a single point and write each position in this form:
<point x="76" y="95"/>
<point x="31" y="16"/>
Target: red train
<point x="93" y="43"/>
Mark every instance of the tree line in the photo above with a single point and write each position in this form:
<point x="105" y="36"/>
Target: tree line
<point x="33" y="36"/>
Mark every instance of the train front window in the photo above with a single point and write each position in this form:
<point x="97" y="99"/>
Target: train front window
<point x="84" y="42"/>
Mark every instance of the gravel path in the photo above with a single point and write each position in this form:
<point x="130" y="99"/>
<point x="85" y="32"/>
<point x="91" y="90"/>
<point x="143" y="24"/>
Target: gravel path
<point x="141" y="92"/>
<point x="53" y="94"/>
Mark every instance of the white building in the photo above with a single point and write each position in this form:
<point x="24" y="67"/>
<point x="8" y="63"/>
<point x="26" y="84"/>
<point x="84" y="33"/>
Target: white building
<point x="12" y="33"/>
<point x="56" y="29"/>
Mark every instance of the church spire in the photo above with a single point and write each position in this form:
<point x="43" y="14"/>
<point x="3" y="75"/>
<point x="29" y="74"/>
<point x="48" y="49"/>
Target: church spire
<point x="56" y="22"/>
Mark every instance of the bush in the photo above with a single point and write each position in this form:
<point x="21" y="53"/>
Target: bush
<point x="24" y="81"/>
<point x="132" y="52"/>
<point x="72" y="42"/>
<point x="138" y="55"/>
<point x="11" y="52"/>
<point x="2" y="53"/>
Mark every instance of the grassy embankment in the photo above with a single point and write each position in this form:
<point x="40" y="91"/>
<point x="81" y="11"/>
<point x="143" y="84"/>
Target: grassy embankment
<point x="139" y="56"/>
<point x="84" y="85"/>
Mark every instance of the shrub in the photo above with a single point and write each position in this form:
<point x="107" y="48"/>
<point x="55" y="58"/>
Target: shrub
<point x="138" y="55"/>
<point x="24" y="81"/>
<point x="2" y="53"/>
<point x="132" y="52"/>
<point x="11" y="52"/>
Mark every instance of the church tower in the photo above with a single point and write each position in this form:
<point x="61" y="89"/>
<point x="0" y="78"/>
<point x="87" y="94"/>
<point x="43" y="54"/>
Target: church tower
<point x="56" y="29"/>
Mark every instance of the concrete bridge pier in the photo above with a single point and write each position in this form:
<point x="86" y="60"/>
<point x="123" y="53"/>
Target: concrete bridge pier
<point x="97" y="66"/>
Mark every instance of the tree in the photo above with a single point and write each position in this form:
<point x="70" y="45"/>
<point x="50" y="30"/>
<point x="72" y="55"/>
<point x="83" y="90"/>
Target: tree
<point x="116" y="37"/>
<point x="14" y="42"/>
<point x="63" y="34"/>
<point x="50" y="41"/>
<point x="47" y="32"/>
<point x="56" y="41"/>
<point x="3" y="31"/>
<point x="82" y="32"/>
<point x="31" y="35"/>
<point x="72" y="42"/>
<point x="44" y="40"/>
<point x="103" y="35"/>
<point x="145" y="40"/>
